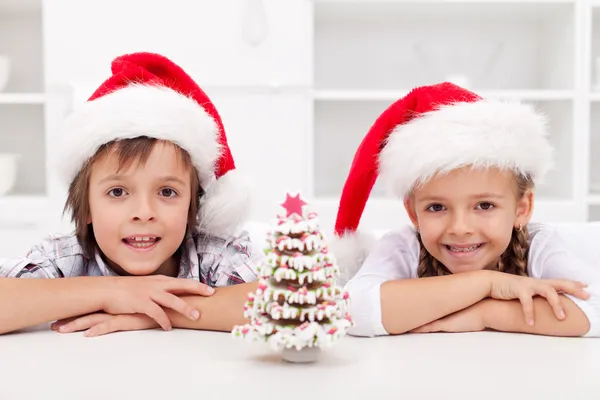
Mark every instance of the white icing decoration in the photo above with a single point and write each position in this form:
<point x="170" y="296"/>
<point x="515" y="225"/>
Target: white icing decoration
<point x="296" y="225"/>
<point x="308" y="242"/>
<point x="299" y="261"/>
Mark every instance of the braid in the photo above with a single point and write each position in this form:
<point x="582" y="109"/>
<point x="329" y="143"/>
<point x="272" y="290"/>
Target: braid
<point x="514" y="259"/>
<point x="428" y="264"/>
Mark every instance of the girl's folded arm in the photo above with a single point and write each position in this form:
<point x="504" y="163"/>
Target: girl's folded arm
<point x="553" y="259"/>
<point x="386" y="297"/>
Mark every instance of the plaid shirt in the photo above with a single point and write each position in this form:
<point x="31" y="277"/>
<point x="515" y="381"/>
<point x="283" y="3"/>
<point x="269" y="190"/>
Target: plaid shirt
<point x="211" y="260"/>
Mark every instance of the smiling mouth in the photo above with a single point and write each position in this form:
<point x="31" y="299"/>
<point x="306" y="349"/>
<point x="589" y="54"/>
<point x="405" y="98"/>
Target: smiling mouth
<point x="463" y="249"/>
<point x="141" y="242"/>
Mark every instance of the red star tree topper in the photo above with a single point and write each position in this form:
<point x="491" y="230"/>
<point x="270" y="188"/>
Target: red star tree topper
<point x="293" y="205"/>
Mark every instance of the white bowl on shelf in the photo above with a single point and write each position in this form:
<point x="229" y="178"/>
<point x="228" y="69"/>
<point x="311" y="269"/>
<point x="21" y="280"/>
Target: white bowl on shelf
<point x="4" y="71"/>
<point x="8" y="171"/>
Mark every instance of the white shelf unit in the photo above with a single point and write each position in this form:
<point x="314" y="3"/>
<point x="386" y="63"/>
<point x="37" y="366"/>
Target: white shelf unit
<point x="22" y="111"/>
<point x="368" y="54"/>
<point x="310" y="90"/>
<point x="29" y="113"/>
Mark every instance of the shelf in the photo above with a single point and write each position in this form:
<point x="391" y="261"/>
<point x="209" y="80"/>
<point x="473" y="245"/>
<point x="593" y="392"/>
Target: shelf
<point x="392" y="95"/>
<point x="594" y="213"/>
<point x="594" y="146"/>
<point x="396" y="45"/>
<point x="22" y="98"/>
<point x="23" y="211"/>
<point x="22" y="133"/>
<point x="594" y="199"/>
<point x="12" y="6"/>
<point x="21" y="40"/>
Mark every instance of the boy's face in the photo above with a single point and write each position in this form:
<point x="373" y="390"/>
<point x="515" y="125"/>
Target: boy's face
<point x="139" y="214"/>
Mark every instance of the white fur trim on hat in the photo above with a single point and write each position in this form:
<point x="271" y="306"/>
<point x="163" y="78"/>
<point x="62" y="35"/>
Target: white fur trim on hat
<point x="482" y="134"/>
<point x="350" y="251"/>
<point x="140" y="110"/>
<point x="226" y="205"/>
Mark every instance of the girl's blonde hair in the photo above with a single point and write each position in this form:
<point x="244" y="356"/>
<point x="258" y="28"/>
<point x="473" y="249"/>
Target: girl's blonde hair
<point x="127" y="151"/>
<point x="512" y="261"/>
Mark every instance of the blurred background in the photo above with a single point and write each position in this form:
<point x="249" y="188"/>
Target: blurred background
<point x="298" y="84"/>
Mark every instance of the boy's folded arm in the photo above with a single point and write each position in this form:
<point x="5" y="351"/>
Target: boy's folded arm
<point x="28" y="302"/>
<point x="36" y="289"/>
<point x="233" y="272"/>
<point x="219" y="312"/>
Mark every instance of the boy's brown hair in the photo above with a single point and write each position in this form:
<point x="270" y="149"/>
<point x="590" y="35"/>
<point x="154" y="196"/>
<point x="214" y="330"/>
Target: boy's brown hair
<point x="128" y="151"/>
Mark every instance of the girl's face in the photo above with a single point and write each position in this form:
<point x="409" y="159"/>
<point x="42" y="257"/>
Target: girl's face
<point x="139" y="214"/>
<point x="466" y="217"/>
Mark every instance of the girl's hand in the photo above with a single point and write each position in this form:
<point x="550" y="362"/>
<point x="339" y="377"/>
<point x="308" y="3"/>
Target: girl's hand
<point x="468" y="320"/>
<point x="148" y="294"/>
<point x="100" y="324"/>
<point x="508" y="287"/>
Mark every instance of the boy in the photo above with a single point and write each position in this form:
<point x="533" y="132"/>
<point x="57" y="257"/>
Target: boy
<point x="156" y="202"/>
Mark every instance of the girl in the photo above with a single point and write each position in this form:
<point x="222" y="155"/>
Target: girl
<point x="466" y="169"/>
<point x="155" y="202"/>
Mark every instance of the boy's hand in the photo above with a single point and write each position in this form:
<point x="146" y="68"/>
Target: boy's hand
<point x="468" y="320"/>
<point x="101" y="323"/>
<point x="148" y="294"/>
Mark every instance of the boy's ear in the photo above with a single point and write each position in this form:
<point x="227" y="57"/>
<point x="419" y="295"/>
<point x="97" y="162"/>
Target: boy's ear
<point x="409" y="206"/>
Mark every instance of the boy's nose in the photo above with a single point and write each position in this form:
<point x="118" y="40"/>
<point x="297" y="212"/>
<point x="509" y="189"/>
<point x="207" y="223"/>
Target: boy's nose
<point x="144" y="209"/>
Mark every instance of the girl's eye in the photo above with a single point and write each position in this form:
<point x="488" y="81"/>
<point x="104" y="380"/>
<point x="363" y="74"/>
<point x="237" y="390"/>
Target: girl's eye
<point x="435" y="208"/>
<point x="168" y="192"/>
<point x="117" y="192"/>
<point x="485" y="206"/>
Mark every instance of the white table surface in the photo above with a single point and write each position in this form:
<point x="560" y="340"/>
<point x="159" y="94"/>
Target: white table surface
<point x="42" y="364"/>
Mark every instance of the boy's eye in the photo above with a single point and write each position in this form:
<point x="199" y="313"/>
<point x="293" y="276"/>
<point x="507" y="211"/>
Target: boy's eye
<point x="116" y="192"/>
<point x="435" y="208"/>
<point x="168" y="192"/>
<point x="485" y="206"/>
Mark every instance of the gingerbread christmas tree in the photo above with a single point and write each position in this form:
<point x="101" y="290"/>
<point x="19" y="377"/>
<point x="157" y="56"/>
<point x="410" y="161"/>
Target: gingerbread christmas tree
<point x="297" y="308"/>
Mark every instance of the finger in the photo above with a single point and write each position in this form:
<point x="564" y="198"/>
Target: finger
<point x="57" y="324"/>
<point x="154" y="311"/>
<point x="175" y="303"/>
<point x="571" y="287"/>
<point x="554" y="300"/>
<point x="181" y="286"/>
<point x="84" y="322"/>
<point x="527" y="304"/>
<point x="109" y="326"/>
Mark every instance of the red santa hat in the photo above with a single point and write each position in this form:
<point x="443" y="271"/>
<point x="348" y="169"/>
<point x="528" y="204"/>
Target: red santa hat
<point x="149" y="95"/>
<point x="435" y="129"/>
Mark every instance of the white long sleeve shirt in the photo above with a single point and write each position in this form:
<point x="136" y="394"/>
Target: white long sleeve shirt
<point x="396" y="256"/>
